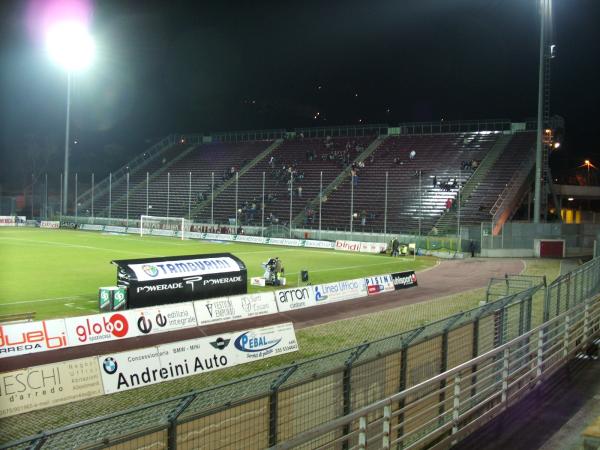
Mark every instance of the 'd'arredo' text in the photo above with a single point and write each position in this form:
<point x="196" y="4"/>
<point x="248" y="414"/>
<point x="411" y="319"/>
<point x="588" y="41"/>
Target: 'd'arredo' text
<point x="149" y="376"/>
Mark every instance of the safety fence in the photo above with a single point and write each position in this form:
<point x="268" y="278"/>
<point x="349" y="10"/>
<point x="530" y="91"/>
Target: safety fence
<point x="416" y="388"/>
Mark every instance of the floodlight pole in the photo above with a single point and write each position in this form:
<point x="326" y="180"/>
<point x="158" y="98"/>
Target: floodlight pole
<point x="66" y="177"/>
<point x="544" y="6"/>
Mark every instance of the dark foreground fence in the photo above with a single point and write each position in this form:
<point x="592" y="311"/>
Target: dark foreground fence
<point x="421" y="387"/>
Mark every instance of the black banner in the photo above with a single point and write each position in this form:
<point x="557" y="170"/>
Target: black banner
<point x="160" y="281"/>
<point x="403" y="280"/>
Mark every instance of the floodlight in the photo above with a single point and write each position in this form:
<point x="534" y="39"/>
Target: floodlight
<point x="70" y="45"/>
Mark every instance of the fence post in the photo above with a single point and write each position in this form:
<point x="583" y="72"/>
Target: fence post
<point x="566" y="336"/>
<point x="474" y="354"/>
<point x="540" y="355"/>
<point x="362" y="433"/>
<point x="347" y="385"/>
<point x="505" y="361"/>
<point x="456" y="404"/>
<point x="273" y="402"/>
<point x="387" y="416"/>
<point x="586" y="321"/>
<point x="172" y="420"/>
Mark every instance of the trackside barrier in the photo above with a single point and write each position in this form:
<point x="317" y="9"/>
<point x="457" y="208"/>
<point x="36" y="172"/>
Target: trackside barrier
<point x="32" y="337"/>
<point x="448" y="373"/>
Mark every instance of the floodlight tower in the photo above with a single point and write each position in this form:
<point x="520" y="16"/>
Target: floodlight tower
<point x="543" y="113"/>
<point x="69" y="45"/>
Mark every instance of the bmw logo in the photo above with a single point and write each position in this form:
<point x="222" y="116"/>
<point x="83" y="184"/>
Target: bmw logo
<point x="151" y="271"/>
<point x="110" y="365"/>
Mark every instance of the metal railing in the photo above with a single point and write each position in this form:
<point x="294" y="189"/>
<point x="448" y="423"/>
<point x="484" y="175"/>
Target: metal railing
<point x="443" y="409"/>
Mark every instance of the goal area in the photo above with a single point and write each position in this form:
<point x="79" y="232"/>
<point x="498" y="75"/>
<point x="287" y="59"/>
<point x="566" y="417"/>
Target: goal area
<point x="164" y="226"/>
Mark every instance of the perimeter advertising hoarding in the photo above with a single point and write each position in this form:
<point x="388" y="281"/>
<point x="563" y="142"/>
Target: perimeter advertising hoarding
<point x="130" y="370"/>
<point x="295" y="298"/>
<point x="49" y="224"/>
<point x="403" y="280"/>
<point x="378" y="284"/>
<point x="96" y="328"/>
<point x="174" y="279"/>
<point x="340" y="290"/>
<point x="32" y="337"/>
<point x="226" y="309"/>
<point x="49" y="385"/>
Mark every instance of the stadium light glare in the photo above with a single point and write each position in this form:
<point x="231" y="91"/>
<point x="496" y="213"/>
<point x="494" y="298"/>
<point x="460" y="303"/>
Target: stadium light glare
<point x="70" y="46"/>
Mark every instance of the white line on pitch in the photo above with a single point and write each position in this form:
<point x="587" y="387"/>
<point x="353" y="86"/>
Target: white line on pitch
<point x="41" y="300"/>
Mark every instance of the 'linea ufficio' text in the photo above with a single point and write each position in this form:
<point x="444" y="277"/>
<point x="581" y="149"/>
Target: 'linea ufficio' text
<point x="149" y="376"/>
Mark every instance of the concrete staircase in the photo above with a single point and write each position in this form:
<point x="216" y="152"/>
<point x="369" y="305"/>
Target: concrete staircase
<point x="270" y="149"/>
<point x="299" y="219"/>
<point x="448" y="222"/>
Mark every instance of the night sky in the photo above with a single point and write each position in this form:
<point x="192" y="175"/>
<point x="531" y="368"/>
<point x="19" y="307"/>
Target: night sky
<point x="166" y="67"/>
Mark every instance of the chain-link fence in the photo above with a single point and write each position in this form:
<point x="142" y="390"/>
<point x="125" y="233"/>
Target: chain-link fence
<point x="275" y="405"/>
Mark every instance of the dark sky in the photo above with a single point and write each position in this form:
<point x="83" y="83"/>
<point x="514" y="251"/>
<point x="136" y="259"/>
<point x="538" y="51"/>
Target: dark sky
<point x="177" y="66"/>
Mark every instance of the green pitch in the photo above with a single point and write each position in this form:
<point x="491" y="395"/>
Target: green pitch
<point x="57" y="273"/>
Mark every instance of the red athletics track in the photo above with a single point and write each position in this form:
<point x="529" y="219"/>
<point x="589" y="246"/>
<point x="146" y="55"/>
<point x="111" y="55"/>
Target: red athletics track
<point x="448" y="277"/>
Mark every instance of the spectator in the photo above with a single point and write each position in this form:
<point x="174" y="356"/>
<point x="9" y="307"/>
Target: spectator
<point x="434" y="181"/>
<point x="299" y="191"/>
<point x="472" y="248"/>
<point x="412" y="154"/>
<point x="448" y="204"/>
<point x="363" y="217"/>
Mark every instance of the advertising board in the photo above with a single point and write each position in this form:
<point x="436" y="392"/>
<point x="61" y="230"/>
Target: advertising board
<point x="295" y="298"/>
<point x="403" y="280"/>
<point x="225" y="309"/>
<point x="159" y="281"/>
<point x="364" y="247"/>
<point x="49" y="224"/>
<point x="32" y="337"/>
<point x="130" y="370"/>
<point x="340" y="290"/>
<point x="91" y="227"/>
<point x="96" y="328"/>
<point x="379" y="284"/>
<point x="318" y="244"/>
<point x="49" y="385"/>
<point x="115" y="229"/>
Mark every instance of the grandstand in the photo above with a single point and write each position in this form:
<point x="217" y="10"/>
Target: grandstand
<point x="216" y="182"/>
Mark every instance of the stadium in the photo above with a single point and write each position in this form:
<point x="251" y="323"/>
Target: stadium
<point x="382" y="283"/>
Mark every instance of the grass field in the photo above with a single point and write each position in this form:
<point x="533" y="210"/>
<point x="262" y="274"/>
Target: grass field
<point x="57" y="273"/>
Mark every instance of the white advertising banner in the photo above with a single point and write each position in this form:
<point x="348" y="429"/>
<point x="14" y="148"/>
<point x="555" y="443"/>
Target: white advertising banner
<point x="8" y="221"/>
<point x="373" y="247"/>
<point x="130" y="370"/>
<point x="295" y="298"/>
<point x="115" y="229"/>
<point x="96" y="328"/>
<point x="318" y="244"/>
<point x="171" y="269"/>
<point x="132" y="230"/>
<point x="49" y="385"/>
<point x="347" y="246"/>
<point x="225" y="309"/>
<point x="159" y="232"/>
<point x="90" y="227"/>
<point x="283" y="241"/>
<point x="341" y="290"/>
<point x="49" y="224"/>
<point x="251" y="239"/>
<point x="32" y="337"/>
<point x="364" y="247"/>
<point x="378" y="284"/>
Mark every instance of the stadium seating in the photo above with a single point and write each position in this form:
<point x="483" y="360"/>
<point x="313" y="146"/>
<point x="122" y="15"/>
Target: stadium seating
<point x="169" y="187"/>
<point x="292" y="152"/>
<point x="438" y="156"/>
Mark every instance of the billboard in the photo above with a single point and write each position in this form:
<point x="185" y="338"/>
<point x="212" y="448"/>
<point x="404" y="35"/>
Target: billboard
<point x="225" y="309"/>
<point x="378" y="284"/>
<point x="157" y="281"/>
<point x="295" y="298"/>
<point x="49" y="385"/>
<point x="96" y="328"/>
<point x="49" y="224"/>
<point x="130" y="370"/>
<point x="340" y="290"/>
<point x="403" y="280"/>
<point x="32" y="337"/>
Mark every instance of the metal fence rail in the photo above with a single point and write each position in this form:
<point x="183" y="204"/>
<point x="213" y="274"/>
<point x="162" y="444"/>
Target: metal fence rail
<point x="441" y="410"/>
<point x="412" y="388"/>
